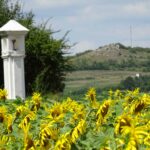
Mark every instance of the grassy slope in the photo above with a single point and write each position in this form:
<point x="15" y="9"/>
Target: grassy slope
<point x="80" y="81"/>
<point x="113" y="55"/>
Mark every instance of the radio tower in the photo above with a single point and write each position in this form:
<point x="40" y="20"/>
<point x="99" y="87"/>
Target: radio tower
<point x="131" y="36"/>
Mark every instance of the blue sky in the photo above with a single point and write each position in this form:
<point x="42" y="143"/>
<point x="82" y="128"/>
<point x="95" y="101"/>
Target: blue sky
<point x="94" y="23"/>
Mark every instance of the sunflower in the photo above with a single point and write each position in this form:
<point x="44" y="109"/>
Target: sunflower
<point x="29" y="144"/>
<point x="136" y="136"/>
<point x="3" y="94"/>
<point x="132" y="144"/>
<point x="48" y="132"/>
<point x="91" y="96"/>
<point x="78" y="130"/>
<point x="56" y="113"/>
<point x="126" y="126"/>
<point x="21" y="110"/>
<point x="103" y="112"/>
<point x="122" y="121"/>
<point x="131" y="95"/>
<point x="3" y="141"/>
<point x="139" y="104"/>
<point x="72" y="105"/>
<point x="64" y="142"/>
<point x="110" y="93"/>
<point x="79" y="114"/>
<point x="9" y="122"/>
<point x="147" y="140"/>
<point x="3" y="112"/>
<point x="24" y="123"/>
<point x="36" y="100"/>
<point x="77" y="110"/>
<point x="118" y="94"/>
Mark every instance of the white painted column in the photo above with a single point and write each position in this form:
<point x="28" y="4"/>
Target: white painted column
<point x="13" y="53"/>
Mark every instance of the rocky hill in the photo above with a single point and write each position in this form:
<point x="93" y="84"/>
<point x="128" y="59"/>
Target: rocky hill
<point x="113" y="57"/>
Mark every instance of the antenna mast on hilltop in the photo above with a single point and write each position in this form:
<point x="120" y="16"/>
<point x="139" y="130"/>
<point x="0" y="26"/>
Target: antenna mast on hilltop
<point x="131" y="36"/>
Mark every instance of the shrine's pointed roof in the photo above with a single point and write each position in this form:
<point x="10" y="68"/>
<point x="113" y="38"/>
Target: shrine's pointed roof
<point x="13" y="25"/>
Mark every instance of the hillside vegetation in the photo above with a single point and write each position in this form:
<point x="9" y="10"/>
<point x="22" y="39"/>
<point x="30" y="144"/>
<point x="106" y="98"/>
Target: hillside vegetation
<point x="113" y="57"/>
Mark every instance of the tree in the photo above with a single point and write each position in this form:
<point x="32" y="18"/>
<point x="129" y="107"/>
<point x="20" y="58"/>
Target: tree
<point x="44" y="62"/>
<point x="128" y="83"/>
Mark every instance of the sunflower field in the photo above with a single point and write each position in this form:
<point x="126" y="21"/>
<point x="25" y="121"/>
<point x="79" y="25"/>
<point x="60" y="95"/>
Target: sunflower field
<point x="119" y="122"/>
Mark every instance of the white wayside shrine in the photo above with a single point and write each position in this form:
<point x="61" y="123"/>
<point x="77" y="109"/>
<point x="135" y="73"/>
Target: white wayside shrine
<point x="13" y="53"/>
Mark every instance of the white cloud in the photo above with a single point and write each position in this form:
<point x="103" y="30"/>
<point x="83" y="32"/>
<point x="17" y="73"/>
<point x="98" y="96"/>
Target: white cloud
<point x="96" y="21"/>
<point x="141" y="32"/>
<point x="48" y="4"/>
<point x="140" y="8"/>
<point x="53" y="3"/>
<point x="86" y="13"/>
<point x="82" y="46"/>
<point x="141" y="43"/>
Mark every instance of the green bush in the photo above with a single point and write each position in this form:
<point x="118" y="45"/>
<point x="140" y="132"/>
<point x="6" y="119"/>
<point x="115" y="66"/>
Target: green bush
<point x="130" y="83"/>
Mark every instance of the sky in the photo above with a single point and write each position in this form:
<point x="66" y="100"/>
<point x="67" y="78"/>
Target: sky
<point x="95" y="23"/>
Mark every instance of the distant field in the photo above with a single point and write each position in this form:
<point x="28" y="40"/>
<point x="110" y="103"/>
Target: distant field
<point x="79" y="80"/>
